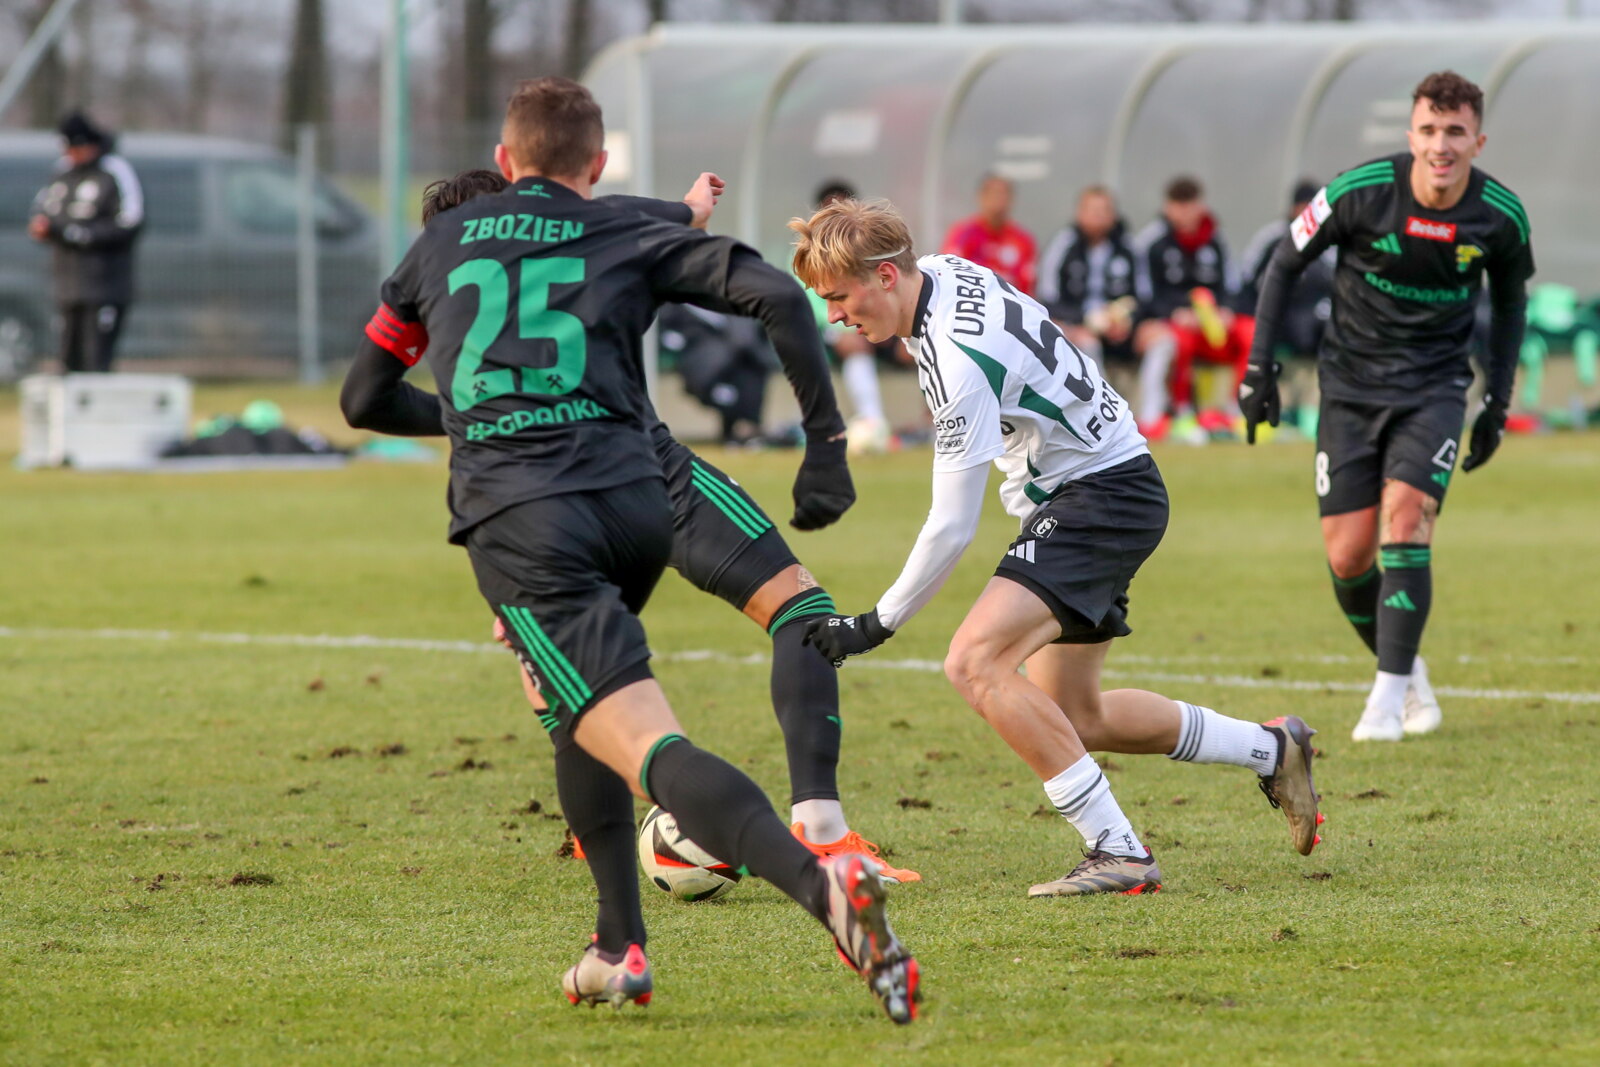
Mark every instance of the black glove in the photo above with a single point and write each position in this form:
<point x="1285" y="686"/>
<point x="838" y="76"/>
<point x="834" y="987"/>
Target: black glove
<point x="823" y="490"/>
<point x="1487" y="429"/>
<point x="838" y="637"/>
<point x="1258" y="397"/>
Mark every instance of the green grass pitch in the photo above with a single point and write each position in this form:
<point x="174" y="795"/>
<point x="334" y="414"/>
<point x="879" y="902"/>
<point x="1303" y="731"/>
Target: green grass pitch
<point x="214" y="850"/>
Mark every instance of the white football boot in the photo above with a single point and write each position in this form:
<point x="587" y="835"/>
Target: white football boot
<point x="1422" y="715"/>
<point x="1378" y="724"/>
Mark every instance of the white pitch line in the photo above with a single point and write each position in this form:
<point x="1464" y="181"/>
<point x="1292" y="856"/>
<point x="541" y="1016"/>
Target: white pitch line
<point x="411" y="644"/>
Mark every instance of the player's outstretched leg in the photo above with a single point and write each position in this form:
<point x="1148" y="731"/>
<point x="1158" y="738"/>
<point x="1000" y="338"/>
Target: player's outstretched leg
<point x="599" y="809"/>
<point x="805" y="696"/>
<point x="1137" y="722"/>
<point x="634" y="732"/>
<point x="1008" y="624"/>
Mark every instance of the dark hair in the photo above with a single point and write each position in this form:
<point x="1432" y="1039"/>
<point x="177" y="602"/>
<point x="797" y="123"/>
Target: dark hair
<point x="78" y="129"/>
<point x="833" y="189"/>
<point x="1445" y="90"/>
<point x="1304" y="191"/>
<point x="1184" y="190"/>
<point x="446" y="193"/>
<point x="553" y="127"/>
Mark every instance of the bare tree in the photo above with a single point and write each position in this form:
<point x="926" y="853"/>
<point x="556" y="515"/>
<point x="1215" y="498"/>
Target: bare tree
<point x="478" y="21"/>
<point x="47" y="90"/>
<point x="305" y="96"/>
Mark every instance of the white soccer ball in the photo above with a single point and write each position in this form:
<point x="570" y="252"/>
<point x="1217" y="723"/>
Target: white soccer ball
<point x="866" y="435"/>
<point x="679" y="866"/>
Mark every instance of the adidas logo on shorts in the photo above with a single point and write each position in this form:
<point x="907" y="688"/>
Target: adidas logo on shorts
<point x="1023" y="551"/>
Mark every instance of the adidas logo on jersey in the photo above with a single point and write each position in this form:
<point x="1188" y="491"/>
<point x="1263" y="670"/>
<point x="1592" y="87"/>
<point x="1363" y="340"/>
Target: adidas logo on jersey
<point x="1388" y="243"/>
<point x="1024" y="551"/>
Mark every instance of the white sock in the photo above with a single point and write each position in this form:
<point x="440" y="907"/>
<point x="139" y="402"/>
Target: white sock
<point x="1389" y="691"/>
<point x="1153" y="367"/>
<point x="860" y="375"/>
<point x="1206" y="737"/>
<point x="1083" y="797"/>
<point x="823" y="820"/>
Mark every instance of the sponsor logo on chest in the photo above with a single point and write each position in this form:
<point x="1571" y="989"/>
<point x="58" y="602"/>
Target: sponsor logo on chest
<point x="1429" y="230"/>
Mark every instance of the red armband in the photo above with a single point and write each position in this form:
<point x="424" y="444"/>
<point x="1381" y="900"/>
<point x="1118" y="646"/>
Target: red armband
<point x="406" y="341"/>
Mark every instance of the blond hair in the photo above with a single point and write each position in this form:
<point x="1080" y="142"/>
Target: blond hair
<point x="848" y="238"/>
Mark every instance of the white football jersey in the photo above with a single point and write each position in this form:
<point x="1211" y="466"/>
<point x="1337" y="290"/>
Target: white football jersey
<point x="1005" y="385"/>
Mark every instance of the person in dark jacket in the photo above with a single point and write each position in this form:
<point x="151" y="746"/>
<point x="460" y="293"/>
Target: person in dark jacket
<point x="1308" y="307"/>
<point x="1087" y="279"/>
<point x="90" y="214"/>
<point x="1188" y="289"/>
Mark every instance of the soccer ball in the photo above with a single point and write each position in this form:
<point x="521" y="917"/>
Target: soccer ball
<point x="678" y="865"/>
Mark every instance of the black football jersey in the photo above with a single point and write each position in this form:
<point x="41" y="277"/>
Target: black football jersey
<point x="1408" y="278"/>
<point x="531" y="305"/>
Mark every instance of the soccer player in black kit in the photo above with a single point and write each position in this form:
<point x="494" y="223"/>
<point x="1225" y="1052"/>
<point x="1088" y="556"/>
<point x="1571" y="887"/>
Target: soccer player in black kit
<point x="530" y="305"/>
<point x="724" y="544"/>
<point x="1416" y="233"/>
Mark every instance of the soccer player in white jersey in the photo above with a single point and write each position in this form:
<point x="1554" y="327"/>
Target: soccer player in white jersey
<point x="1005" y="386"/>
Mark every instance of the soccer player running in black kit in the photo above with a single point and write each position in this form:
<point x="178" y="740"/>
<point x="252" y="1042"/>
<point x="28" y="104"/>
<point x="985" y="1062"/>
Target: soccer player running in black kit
<point x="530" y="306"/>
<point x="725" y="545"/>
<point x="1416" y="233"/>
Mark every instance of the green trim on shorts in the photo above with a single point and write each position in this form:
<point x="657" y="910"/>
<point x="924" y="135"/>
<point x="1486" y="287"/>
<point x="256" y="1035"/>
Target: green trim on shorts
<point x="818" y="603"/>
<point x="568" y="685"/>
<point x="649" y="757"/>
<point x="738" y="510"/>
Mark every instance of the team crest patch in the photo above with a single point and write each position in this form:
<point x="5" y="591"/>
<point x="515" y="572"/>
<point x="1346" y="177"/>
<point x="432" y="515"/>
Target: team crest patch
<point x="1043" y="528"/>
<point x="1429" y="230"/>
<point x="1465" y="254"/>
<point x="1309" y="221"/>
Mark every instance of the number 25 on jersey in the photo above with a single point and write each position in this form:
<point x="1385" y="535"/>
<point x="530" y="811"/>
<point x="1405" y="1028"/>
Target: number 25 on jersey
<point x="535" y="320"/>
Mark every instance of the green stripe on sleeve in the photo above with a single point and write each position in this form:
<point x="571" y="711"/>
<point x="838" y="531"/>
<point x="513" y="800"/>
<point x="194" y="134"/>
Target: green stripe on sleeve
<point x="1335" y="194"/>
<point x="1512" y="211"/>
<point x="1511" y="199"/>
<point x="1371" y="174"/>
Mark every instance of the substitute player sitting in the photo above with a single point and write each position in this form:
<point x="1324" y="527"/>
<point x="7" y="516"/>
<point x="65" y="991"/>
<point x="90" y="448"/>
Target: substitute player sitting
<point x="1005" y="385"/>
<point x="1416" y="233"/>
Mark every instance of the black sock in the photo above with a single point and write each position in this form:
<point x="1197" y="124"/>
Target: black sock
<point x="725" y="813"/>
<point x="805" y="695"/>
<point x="599" y="809"/>
<point x="1407" y="591"/>
<point x="1358" y="599"/>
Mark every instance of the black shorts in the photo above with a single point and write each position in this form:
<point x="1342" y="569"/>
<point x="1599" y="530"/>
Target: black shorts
<point x="568" y="575"/>
<point x="722" y="541"/>
<point x="1079" y="550"/>
<point x="1362" y="445"/>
